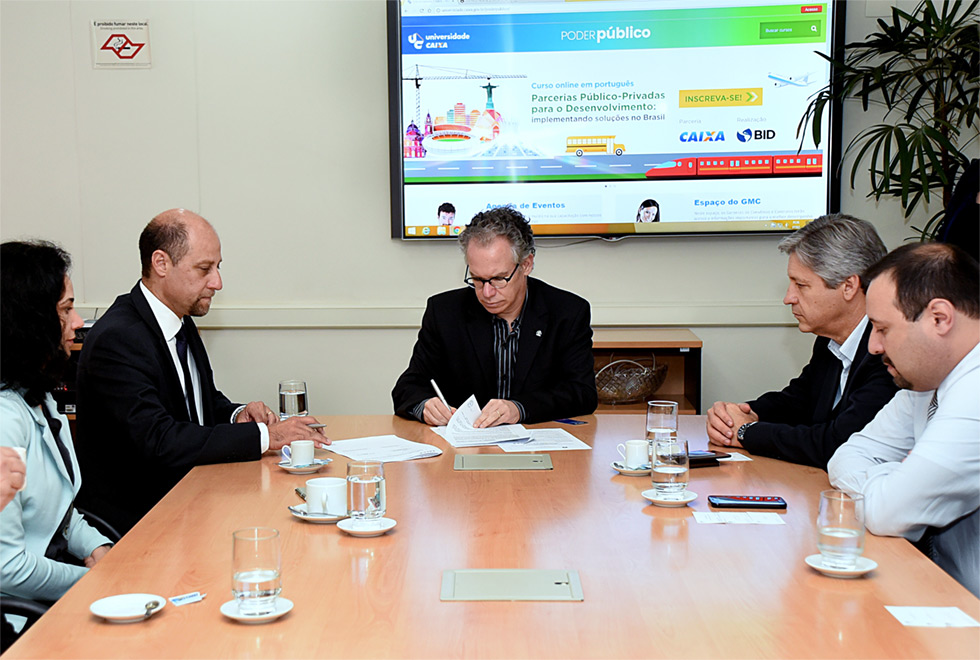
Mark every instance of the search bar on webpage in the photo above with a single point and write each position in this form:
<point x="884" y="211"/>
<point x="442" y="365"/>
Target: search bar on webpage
<point x="789" y="29"/>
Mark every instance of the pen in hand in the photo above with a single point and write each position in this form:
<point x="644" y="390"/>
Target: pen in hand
<point x="439" y="392"/>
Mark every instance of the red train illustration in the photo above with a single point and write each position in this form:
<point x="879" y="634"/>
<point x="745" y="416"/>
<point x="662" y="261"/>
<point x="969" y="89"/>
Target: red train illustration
<point x="683" y="168"/>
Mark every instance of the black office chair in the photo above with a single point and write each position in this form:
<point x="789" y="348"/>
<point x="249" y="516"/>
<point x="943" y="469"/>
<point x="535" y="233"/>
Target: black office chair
<point x="29" y="609"/>
<point x="32" y="610"/>
<point x="101" y="525"/>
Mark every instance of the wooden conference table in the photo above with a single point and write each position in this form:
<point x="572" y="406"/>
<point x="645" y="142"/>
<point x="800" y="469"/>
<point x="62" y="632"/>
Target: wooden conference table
<point x="656" y="583"/>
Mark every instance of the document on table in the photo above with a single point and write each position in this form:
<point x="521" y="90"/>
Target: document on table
<point x="734" y="458"/>
<point x="738" y="518"/>
<point x="546" y="440"/>
<point x="386" y="448"/>
<point x="460" y="432"/>
<point x="932" y="617"/>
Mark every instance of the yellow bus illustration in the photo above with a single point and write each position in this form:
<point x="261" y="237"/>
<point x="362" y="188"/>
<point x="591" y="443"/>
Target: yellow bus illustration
<point x="602" y="144"/>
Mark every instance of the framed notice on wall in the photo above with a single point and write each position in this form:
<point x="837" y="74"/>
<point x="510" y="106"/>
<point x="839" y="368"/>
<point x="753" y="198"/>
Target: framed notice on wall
<point x="121" y="44"/>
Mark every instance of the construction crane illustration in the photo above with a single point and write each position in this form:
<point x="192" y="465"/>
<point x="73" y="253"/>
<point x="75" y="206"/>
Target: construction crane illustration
<point x="454" y="74"/>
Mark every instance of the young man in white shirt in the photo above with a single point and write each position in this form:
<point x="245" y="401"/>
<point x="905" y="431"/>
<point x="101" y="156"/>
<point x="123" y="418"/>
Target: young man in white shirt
<point x="917" y="464"/>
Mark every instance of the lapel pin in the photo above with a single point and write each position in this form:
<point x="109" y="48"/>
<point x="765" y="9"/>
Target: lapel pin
<point x="537" y="334"/>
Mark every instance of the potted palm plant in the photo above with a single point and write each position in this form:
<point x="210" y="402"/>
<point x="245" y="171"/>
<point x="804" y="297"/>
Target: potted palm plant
<point x="921" y="69"/>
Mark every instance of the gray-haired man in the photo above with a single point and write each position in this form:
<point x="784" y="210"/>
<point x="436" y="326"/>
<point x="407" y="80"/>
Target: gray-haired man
<point x="842" y="387"/>
<point x="522" y="346"/>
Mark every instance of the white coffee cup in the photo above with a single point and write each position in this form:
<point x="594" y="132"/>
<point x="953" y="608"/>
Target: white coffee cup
<point x="327" y="495"/>
<point x="22" y="452"/>
<point x="300" y="452"/>
<point x="635" y="453"/>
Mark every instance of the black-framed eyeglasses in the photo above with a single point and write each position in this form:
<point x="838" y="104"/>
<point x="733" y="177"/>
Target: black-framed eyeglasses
<point x="496" y="282"/>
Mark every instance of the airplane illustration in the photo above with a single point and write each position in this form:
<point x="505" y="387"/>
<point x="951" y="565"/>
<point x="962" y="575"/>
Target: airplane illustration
<point x="796" y="81"/>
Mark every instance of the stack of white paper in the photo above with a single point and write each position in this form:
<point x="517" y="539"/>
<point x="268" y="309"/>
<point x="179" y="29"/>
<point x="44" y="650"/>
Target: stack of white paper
<point x="546" y="440"/>
<point x="386" y="448"/>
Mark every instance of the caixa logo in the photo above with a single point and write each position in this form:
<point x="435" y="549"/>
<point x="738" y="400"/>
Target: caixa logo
<point x="748" y="134"/>
<point x="703" y="136"/>
<point x="416" y="40"/>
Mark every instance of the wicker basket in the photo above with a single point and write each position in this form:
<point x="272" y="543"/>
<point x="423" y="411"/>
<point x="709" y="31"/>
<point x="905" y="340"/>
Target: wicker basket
<point x="626" y="381"/>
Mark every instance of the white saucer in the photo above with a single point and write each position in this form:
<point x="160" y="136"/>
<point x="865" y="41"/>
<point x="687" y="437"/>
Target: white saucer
<point x="299" y="511"/>
<point x="126" y="608"/>
<point x="864" y="565"/>
<point x="629" y="472"/>
<point x="230" y="610"/>
<point x="366" y="529"/>
<point x="681" y="499"/>
<point x="315" y="466"/>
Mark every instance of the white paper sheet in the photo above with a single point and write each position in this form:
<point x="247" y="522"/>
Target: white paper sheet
<point x="932" y="617"/>
<point x="734" y="458"/>
<point x="546" y="440"/>
<point x="387" y="448"/>
<point x="460" y="432"/>
<point x="738" y="518"/>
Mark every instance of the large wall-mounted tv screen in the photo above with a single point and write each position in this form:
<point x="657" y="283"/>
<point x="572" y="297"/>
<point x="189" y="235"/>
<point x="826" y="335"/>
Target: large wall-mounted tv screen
<point x="609" y="117"/>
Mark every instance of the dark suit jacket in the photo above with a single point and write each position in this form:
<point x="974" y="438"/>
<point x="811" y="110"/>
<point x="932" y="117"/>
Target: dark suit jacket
<point x="554" y="374"/>
<point x="135" y="437"/>
<point x="801" y="423"/>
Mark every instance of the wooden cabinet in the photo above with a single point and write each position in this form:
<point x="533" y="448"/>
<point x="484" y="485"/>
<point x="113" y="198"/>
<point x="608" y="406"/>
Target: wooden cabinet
<point x="679" y="349"/>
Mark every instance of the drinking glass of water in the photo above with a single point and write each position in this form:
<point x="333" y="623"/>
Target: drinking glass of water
<point x="292" y="399"/>
<point x="256" y="567"/>
<point x="840" y="529"/>
<point x="661" y="418"/>
<point x="670" y="466"/>
<point x="366" y="491"/>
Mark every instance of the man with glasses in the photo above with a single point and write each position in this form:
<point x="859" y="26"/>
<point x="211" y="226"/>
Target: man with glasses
<point x="523" y="347"/>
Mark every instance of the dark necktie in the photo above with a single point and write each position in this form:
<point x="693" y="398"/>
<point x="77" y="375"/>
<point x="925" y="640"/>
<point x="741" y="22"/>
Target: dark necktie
<point x="58" y="545"/>
<point x="933" y="405"/>
<point x="188" y="384"/>
<point x="55" y="426"/>
<point x="927" y="544"/>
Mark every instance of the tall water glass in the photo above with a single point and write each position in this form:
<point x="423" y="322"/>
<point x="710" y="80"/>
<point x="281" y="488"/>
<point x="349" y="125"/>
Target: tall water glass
<point x="256" y="570"/>
<point x="670" y="466"/>
<point x="661" y="418"/>
<point x="840" y="529"/>
<point x="292" y="399"/>
<point x="366" y="491"/>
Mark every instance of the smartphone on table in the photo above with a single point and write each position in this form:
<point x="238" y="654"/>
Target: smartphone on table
<point x="746" y="501"/>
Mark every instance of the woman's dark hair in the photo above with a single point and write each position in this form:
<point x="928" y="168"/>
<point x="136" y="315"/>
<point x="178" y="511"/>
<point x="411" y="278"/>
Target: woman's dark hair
<point x="32" y="282"/>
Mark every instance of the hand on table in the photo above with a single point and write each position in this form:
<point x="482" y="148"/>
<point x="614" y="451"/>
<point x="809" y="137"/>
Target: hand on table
<point x="256" y="411"/>
<point x="435" y="412"/>
<point x="295" y="428"/>
<point x="12" y="475"/>
<point x="496" y="412"/>
<point x="724" y="420"/>
<point x="96" y="555"/>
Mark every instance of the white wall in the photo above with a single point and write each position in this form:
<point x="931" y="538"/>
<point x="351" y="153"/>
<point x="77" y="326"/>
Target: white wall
<point x="270" y="119"/>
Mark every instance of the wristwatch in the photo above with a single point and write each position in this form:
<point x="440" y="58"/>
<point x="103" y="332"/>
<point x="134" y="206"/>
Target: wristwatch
<point x="742" y="429"/>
